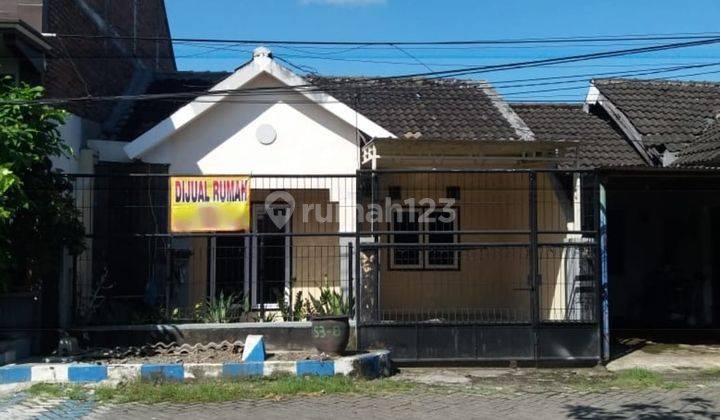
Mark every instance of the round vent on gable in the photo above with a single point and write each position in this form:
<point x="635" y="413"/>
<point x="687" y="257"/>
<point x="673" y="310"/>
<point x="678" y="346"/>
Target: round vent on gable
<point x="266" y="134"/>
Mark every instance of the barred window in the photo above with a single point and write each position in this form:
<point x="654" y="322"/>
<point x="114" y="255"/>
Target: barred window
<point x="431" y="228"/>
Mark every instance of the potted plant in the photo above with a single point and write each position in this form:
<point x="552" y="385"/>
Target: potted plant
<point x="330" y="320"/>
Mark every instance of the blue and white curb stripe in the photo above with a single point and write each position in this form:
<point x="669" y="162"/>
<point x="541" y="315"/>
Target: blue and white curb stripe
<point x="367" y="365"/>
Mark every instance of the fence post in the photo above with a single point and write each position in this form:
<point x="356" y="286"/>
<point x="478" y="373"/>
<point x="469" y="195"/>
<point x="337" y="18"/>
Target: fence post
<point x="261" y="278"/>
<point x="357" y="277"/>
<point x="350" y="272"/>
<point x="73" y="291"/>
<point x="289" y="302"/>
<point x="213" y="267"/>
<point x="170" y="274"/>
<point x="601" y="269"/>
<point x="533" y="254"/>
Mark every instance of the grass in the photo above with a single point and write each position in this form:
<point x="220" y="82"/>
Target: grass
<point x="203" y="392"/>
<point x="73" y="392"/>
<point x="712" y="373"/>
<point x="631" y="379"/>
<point x="641" y="378"/>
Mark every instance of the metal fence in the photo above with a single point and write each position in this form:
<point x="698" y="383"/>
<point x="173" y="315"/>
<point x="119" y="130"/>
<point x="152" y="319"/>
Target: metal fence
<point x="513" y="274"/>
<point x="135" y="270"/>
<point x="443" y="264"/>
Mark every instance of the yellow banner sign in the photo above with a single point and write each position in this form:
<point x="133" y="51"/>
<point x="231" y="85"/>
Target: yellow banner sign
<point x="210" y="204"/>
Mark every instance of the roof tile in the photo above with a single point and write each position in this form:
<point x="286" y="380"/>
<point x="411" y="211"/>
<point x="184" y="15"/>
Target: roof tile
<point x="601" y="143"/>
<point x="671" y="113"/>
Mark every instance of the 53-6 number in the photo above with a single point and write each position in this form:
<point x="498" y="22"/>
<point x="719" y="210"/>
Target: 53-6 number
<point x="321" y="332"/>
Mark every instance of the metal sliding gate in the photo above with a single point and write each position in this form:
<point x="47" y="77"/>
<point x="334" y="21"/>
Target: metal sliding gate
<point x="479" y="265"/>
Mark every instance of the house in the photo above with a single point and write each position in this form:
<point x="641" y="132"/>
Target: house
<point x="668" y="281"/>
<point x="466" y="227"/>
<point x="507" y="210"/>
<point x="654" y="144"/>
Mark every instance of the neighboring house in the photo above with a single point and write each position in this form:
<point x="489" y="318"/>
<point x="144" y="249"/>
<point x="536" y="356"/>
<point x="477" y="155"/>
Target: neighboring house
<point x="655" y="144"/>
<point x="662" y="119"/>
<point x="23" y="46"/>
<point x="704" y="152"/>
<point x="71" y="67"/>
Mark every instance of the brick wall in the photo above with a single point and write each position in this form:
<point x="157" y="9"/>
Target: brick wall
<point x="101" y="67"/>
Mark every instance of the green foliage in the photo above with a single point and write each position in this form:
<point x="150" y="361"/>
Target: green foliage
<point x="330" y="302"/>
<point x="265" y="317"/>
<point x="220" y="310"/>
<point x="38" y="217"/>
<point x="297" y="312"/>
<point x="7" y="180"/>
<point x="247" y="388"/>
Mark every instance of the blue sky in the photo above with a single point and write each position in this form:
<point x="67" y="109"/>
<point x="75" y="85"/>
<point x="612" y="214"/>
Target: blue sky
<point x="420" y="20"/>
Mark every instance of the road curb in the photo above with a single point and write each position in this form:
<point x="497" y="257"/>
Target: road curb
<point x="367" y="366"/>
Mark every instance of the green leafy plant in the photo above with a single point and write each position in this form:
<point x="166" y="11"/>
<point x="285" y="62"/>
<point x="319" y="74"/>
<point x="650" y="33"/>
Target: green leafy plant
<point x="331" y="302"/>
<point x="265" y="317"/>
<point x="38" y="216"/>
<point x="219" y="310"/>
<point x="297" y="312"/>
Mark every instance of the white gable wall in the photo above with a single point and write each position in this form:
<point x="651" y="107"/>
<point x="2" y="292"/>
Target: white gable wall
<point x="310" y="140"/>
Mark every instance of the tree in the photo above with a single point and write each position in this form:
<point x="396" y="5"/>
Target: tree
<point x="38" y="218"/>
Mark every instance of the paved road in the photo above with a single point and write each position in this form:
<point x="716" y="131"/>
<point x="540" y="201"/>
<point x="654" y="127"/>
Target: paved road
<point x="449" y="403"/>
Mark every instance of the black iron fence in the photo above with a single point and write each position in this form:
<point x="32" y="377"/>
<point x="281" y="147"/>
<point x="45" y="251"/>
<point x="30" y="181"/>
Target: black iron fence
<point x="135" y="270"/>
<point x="454" y="264"/>
<point x="464" y="260"/>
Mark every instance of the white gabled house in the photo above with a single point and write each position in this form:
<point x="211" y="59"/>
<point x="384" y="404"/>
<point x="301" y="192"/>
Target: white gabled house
<point x="281" y="125"/>
<point x="309" y="136"/>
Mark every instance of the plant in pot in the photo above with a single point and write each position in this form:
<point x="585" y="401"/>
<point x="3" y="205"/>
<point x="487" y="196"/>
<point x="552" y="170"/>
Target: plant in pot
<point x="330" y="320"/>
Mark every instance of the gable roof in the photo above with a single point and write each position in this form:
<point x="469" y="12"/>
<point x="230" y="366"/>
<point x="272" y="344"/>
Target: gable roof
<point x="262" y="63"/>
<point x="450" y="109"/>
<point x="381" y="107"/>
<point x="601" y="143"/>
<point x="670" y="113"/>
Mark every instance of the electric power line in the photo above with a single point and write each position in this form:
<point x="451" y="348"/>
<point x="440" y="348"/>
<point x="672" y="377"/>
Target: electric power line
<point x="361" y="83"/>
<point x="616" y="38"/>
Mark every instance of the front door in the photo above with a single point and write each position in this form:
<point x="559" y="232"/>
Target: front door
<point x="271" y="256"/>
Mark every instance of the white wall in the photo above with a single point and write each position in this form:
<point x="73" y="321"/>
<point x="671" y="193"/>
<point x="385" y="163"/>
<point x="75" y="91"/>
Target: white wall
<point x="310" y="140"/>
<point x="72" y="134"/>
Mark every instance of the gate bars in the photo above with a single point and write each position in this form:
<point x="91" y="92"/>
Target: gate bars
<point x="514" y="275"/>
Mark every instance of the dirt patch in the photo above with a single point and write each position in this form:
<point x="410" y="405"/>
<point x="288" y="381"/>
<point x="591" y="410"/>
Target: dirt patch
<point x="160" y="353"/>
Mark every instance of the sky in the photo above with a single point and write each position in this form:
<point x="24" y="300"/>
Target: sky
<point x="454" y="20"/>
